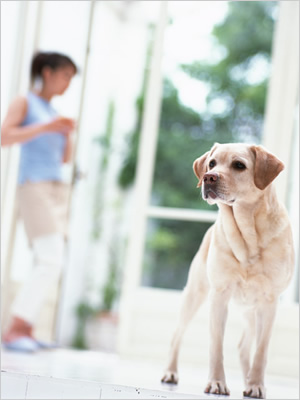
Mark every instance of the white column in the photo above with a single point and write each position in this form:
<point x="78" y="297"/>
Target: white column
<point x="143" y="183"/>
<point x="283" y="90"/>
<point x="281" y="131"/>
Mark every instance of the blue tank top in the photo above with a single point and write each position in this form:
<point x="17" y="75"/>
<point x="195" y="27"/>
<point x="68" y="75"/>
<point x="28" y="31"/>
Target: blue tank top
<point x="41" y="158"/>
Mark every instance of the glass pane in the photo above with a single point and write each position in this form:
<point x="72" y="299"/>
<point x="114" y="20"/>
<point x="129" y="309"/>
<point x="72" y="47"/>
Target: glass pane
<point x="170" y="248"/>
<point x="216" y="67"/>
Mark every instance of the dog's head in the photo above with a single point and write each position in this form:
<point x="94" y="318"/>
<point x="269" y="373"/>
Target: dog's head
<point x="233" y="172"/>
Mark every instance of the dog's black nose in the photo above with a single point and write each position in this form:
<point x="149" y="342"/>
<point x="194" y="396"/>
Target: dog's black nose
<point x="210" y="178"/>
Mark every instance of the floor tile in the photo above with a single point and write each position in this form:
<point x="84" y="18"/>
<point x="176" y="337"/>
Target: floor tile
<point x="13" y="387"/>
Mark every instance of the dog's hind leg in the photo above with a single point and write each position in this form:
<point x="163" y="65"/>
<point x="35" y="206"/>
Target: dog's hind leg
<point x="246" y="342"/>
<point x="264" y="315"/>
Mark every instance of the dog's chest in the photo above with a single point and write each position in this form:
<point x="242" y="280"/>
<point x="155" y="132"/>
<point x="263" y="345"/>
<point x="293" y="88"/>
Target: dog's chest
<point x="253" y="286"/>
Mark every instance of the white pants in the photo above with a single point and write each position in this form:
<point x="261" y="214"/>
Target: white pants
<point x="48" y="259"/>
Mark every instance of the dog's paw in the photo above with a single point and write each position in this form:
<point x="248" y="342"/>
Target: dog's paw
<point x="170" y="377"/>
<point x="255" y="391"/>
<point x="217" y="387"/>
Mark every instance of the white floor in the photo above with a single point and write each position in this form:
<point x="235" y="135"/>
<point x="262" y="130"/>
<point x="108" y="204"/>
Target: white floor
<point x="70" y="374"/>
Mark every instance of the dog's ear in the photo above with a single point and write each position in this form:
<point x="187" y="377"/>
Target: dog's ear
<point x="266" y="167"/>
<point x="216" y="144"/>
<point x="199" y="167"/>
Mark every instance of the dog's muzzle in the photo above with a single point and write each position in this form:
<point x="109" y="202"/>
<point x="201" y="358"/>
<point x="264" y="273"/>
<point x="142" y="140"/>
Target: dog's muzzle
<point x="210" y="183"/>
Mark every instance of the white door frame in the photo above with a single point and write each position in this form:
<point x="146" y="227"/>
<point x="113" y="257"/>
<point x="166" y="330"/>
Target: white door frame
<point x="25" y="45"/>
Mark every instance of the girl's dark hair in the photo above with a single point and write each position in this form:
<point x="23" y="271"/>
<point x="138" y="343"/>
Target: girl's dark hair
<point x="49" y="59"/>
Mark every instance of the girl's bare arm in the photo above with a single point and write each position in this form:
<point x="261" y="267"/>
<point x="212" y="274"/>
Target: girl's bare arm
<point x="12" y="132"/>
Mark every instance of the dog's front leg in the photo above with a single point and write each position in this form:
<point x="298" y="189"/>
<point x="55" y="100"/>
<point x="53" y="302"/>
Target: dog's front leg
<point x="265" y="316"/>
<point x="218" y="317"/>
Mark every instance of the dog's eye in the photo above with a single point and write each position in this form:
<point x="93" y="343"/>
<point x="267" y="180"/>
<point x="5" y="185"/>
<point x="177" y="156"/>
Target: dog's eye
<point x="212" y="164"/>
<point x="239" y="165"/>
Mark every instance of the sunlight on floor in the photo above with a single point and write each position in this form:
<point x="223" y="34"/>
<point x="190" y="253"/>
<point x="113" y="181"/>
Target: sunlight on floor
<point x="66" y="374"/>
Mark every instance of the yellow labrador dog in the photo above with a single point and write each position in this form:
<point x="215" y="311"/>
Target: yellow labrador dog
<point x="246" y="255"/>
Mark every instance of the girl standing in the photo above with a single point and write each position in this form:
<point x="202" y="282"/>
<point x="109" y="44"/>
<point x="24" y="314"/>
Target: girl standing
<point x="45" y="140"/>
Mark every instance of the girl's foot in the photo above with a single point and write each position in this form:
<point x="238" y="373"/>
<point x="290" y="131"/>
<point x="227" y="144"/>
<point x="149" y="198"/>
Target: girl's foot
<point x="18" y="328"/>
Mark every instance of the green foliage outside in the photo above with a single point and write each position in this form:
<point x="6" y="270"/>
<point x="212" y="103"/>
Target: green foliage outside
<point x="83" y="313"/>
<point x="104" y="141"/>
<point x="108" y="296"/>
<point x="109" y="292"/>
<point x="168" y="252"/>
<point x="244" y="38"/>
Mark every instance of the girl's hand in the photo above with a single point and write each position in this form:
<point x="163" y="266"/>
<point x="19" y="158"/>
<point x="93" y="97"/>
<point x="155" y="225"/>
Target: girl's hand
<point x="61" y="124"/>
<point x="13" y="132"/>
